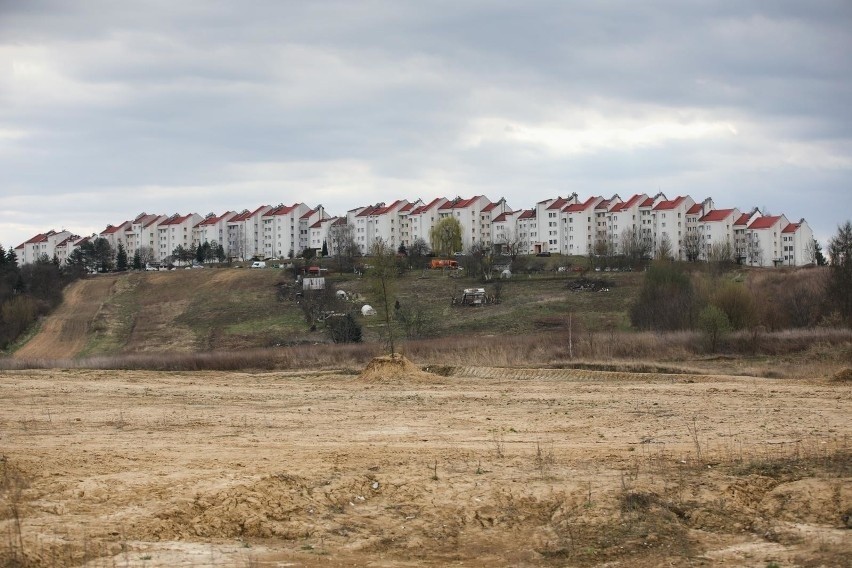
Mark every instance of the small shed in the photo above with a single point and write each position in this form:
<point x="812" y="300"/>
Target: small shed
<point x="367" y="310"/>
<point x="313" y="284"/>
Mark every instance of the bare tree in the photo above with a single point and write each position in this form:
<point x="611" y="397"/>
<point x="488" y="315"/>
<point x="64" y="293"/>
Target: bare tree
<point x="664" y="249"/>
<point x="634" y="247"/>
<point x="692" y="246"/>
<point x="146" y="255"/>
<point x="754" y="252"/>
<point x="720" y="252"/>
<point x="383" y="277"/>
<point x="480" y="261"/>
<point x="342" y="245"/>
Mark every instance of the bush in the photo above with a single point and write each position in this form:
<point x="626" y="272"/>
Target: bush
<point x="344" y="329"/>
<point x="666" y="301"/>
<point x="714" y="323"/>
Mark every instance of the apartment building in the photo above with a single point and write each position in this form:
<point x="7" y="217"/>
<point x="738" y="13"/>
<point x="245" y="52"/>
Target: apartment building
<point x="579" y="226"/>
<point x="797" y="244"/>
<point x="39" y="246"/>
<point x="213" y="229"/>
<point x="245" y="233"/>
<point x="716" y="233"/>
<point x="174" y="232"/>
<point x="564" y="225"/>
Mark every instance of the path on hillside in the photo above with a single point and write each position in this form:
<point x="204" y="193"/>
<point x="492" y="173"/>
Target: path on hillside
<point x="64" y="332"/>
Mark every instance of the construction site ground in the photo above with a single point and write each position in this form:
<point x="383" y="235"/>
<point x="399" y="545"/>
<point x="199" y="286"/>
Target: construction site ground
<point x="483" y="467"/>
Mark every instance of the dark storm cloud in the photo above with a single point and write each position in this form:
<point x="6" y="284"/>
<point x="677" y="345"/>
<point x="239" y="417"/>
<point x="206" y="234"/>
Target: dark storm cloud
<point x="113" y="108"/>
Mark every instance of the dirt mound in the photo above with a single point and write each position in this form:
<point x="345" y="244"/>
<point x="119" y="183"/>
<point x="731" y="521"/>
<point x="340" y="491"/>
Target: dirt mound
<point x="843" y="376"/>
<point x="393" y="368"/>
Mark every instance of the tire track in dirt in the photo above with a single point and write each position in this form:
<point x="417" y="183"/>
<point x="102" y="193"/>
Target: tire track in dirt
<point x="63" y="334"/>
<point x="576" y="375"/>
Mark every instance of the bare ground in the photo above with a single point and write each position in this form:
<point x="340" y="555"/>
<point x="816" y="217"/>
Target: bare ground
<point x="65" y="331"/>
<point x="485" y="467"/>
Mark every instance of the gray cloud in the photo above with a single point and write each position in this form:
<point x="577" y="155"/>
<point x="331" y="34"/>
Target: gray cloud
<point x="107" y="109"/>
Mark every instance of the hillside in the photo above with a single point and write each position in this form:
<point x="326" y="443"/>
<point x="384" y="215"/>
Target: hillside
<point x="226" y="309"/>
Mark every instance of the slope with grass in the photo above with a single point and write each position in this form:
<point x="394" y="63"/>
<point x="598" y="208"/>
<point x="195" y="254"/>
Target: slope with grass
<point x="188" y="311"/>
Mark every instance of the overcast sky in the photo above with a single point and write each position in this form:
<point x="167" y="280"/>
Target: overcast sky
<point x="108" y="109"/>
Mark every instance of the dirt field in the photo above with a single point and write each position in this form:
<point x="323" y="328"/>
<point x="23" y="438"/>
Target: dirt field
<point x="483" y="467"/>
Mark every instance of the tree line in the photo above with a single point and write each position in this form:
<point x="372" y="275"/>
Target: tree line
<point x="676" y="296"/>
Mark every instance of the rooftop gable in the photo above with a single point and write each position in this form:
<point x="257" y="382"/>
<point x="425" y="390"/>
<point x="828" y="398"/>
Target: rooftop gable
<point x="716" y="215"/>
<point x="668" y="205"/>
<point x="792" y="228"/>
<point x="765" y="222"/>
<point x="578" y="207"/>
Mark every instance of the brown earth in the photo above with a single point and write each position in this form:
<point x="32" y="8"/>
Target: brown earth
<point x="65" y="331"/>
<point x="482" y="467"/>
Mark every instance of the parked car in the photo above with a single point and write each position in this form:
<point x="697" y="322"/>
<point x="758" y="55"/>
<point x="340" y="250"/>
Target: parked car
<point x="258" y="264"/>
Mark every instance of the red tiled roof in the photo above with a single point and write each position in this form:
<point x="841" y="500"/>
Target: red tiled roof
<point x="666" y="205"/>
<point x="384" y="210"/>
<point x="369" y="210"/>
<point x="558" y="204"/>
<point x="765" y="222"/>
<point x="647" y="203"/>
<point x="792" y="228"/>
<point x="213" y="219"/>
<point x="459" y="203"/>
<point x="280" y="210"/>
<point x="317" y="225"/>
<point x="489" y="207"/>
<point x="176" y="220"/>
<point x="716" y="215"/>
<point x="633" y="201"/>
<point x="743" y="220"/>
<point x="112" y="229"/>
<point x="499" y="218"/>
<point x="577" y="207"/>
<point x="309" y="213"/>
<point x="39" y="238"/>
<point x="694" y="210"/>
<point x="528" y="214"/>
<point x="407" y="207"/>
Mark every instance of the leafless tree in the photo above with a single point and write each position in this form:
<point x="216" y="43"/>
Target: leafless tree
<point x="692" y="246"/>
<point x="146" y="255"/>
<point x="342" y="245"/>
<point x="720" y="252"/>
<point x="664" y="249"/>
<point x="754" y="252"/>
<point x="633" y="245"/>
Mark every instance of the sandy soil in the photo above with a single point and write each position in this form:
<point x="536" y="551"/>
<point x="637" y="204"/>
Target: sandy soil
<point x="482" y="468"/>
<point x="64" y="333"/>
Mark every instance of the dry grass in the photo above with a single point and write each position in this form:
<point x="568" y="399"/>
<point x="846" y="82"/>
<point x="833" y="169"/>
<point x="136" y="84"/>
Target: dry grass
<point x="793" y="354"/>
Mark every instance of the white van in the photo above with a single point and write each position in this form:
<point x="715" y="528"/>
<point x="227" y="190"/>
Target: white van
<point x="258" y="264"/>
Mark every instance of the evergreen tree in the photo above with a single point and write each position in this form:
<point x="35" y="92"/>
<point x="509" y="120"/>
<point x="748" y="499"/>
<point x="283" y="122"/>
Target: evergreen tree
<point x="324" y="249"/>
<point x="840" y="280"/>
<point x="137" y="261"/>
<point x="121" y="258"/>
<point x="201" y="252"/>
<point x="220" y="253"/>
<point x="819" y="258"/>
